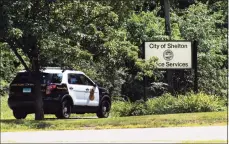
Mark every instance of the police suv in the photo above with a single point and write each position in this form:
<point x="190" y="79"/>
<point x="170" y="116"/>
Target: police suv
<point x="64" y="92"/>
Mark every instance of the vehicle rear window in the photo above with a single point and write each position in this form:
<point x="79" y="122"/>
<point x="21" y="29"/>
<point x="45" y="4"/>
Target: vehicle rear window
<point x="46" y="78"/>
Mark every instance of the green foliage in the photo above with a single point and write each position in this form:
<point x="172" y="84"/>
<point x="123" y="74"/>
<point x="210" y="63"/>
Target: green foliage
<point x="129" y="108"/>
<point x="168" y="104"/>
<point x="145" y="26"/>
<point x="8" y="67"/>
<point x="199" y="103"/>
<point x="203" y="23"/>
<point x="163" y="104"/>
<point x="104" y="39"/>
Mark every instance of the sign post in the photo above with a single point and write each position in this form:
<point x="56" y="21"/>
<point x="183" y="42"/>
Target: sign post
<point x="195" y="45"/>
<point x="166" y="7"/>
<point x="167" y="18"/>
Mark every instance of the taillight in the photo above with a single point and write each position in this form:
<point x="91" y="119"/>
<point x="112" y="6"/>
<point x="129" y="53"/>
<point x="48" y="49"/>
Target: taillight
<point x="10" y="91"/>
<point x="50" y="88"/>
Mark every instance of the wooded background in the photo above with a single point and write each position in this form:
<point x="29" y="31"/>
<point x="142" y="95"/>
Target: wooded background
<point x="104" y="39"/>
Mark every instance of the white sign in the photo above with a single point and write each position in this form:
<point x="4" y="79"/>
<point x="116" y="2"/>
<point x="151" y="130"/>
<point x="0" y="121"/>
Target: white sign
<point x="170" y="54"/>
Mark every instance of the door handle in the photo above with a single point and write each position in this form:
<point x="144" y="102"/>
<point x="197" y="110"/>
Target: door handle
<point x="70" y="88"/>
<point x="87" y="89"/>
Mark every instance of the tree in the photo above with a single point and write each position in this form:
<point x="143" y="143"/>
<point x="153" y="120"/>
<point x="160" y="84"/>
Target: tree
<point x="8" y="66"/>
<point x="22" y="30"/>
<point x="202" y="23"/>
<point x="64" y="33"/>
<point x="104" y="39"/>
<point x="26" y="25"/>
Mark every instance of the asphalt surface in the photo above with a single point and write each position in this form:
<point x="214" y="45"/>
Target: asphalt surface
<point x="163" y="135"/>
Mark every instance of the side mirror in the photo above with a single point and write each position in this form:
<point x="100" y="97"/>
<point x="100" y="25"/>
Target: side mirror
<point x="96" y="83"/>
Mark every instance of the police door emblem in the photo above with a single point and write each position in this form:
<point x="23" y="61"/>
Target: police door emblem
<point x="168" y="55"/>
<point x="92" y="94"/>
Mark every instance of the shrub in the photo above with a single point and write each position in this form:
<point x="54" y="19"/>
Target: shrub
<point x="120" y="108"/>
<point x="167" y="104"/>
<point x="161" y="105"/>
<point x="199" y="103"/>
<point x="138" y="108"/>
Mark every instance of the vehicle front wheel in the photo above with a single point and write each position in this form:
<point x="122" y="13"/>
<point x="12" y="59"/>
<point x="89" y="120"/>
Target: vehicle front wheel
<point x="19" y="114"/>
<point x="65" y="110"/>
<point x="104" y="109"/>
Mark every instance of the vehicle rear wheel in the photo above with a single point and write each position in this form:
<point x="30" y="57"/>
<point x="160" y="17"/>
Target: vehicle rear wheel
<point x="104" y="109"/>
<point x="65" y="110"/>
<point x="19" y="114"/>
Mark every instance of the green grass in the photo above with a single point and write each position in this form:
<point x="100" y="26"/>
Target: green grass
<point x="170" y="120"/>
<point x="9" y="123"/>
<point x="6" y="112"/>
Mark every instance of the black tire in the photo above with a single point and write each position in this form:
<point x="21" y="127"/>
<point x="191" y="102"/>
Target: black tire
<point x="65" y="110"/>
<point x="104" y="109"/>
<point x="19" y="114"/>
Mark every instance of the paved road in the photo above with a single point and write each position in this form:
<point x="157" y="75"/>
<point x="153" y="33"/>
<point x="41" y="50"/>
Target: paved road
<point x="158" y="135"/>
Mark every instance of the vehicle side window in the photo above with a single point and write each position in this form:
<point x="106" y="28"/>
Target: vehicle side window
<point x="57" y="78"/>
<point x="74" y="79"/>
<point x="85" y="80"/>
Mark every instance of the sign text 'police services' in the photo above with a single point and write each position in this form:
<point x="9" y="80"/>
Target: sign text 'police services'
<point x="170" y="54"/>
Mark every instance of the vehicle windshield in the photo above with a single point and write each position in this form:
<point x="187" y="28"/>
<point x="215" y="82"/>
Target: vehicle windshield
<point x="46" y="78"/>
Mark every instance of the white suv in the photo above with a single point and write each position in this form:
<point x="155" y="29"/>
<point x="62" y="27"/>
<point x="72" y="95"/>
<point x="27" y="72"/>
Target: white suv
<point x="64" y="92"/>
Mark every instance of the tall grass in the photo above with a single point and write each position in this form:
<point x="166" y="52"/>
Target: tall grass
<point x="165" y="104"/>
<point x="168" y="104"/>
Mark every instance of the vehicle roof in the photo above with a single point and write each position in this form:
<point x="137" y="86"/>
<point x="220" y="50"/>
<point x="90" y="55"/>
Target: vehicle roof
<point x="57" y="71"/>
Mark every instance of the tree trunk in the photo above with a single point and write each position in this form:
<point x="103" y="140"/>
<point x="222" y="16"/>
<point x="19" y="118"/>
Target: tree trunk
<point x="39" y="112"/>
